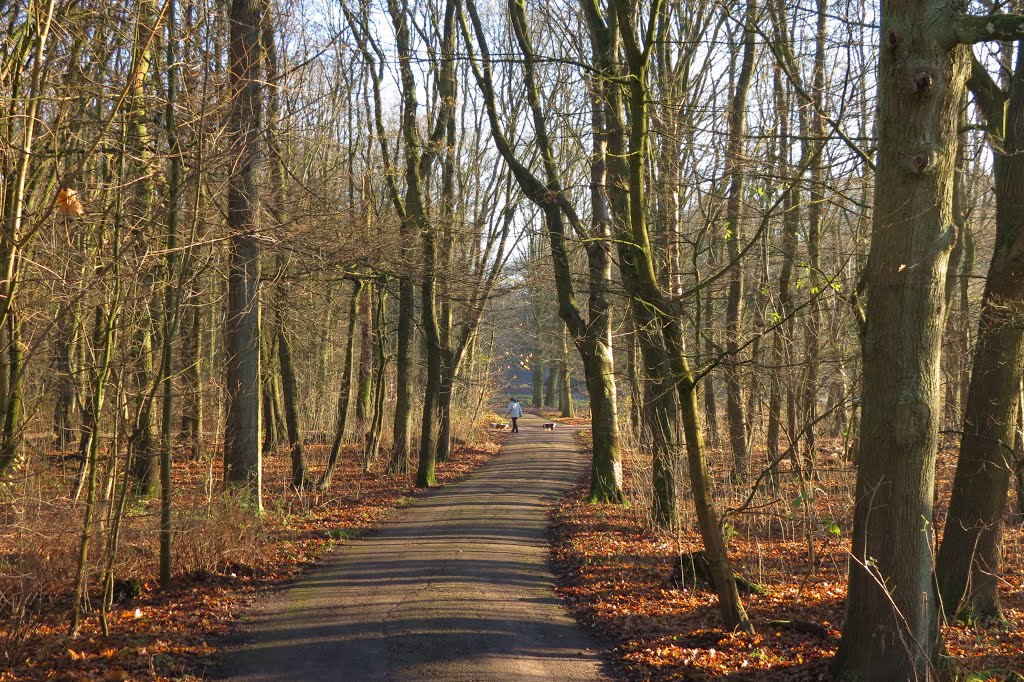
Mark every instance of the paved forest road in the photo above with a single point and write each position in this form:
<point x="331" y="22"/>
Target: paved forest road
<point x="454" y="588"/>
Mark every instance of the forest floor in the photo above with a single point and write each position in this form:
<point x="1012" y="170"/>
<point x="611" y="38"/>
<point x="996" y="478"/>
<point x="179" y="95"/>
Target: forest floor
<point x="616" y="573"/>
<point x="223" y="555"/>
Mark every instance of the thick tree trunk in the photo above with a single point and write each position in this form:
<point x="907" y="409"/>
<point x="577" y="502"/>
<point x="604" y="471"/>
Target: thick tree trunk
<point x="242" y="460"/>
<point x="593" y="338"/>
<point x="890" y="631"/>
<point x="606" y="465"/>
<point x="551" y="385"/>
<point x="969" y="559"/>
<point x="565" y="391"/>
<point x="659" y="415"/>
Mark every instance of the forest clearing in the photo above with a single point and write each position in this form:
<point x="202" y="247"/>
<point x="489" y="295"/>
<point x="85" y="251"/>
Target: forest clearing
<point x="266" y="266"/>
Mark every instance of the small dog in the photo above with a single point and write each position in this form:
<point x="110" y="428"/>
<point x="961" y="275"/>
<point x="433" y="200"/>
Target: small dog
<point x="497" y="426"/>
<point x="550" y="426"/>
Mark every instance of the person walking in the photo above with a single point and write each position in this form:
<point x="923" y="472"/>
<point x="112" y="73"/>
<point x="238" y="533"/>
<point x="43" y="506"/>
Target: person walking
<point x="515" y="411"/>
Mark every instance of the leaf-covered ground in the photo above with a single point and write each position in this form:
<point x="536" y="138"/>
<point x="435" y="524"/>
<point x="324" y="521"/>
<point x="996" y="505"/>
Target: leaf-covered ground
<point x="615" y="575"/>
<point x="223" y="557"/>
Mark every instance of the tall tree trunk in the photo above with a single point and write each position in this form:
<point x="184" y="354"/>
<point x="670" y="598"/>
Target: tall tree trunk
<point x="730" y="606"/>
<point x="172" y="295"/>
<point x="242" y="460"/>
<point x="891" y="631"/>
<point x="143" y="442"/>
<point x="781" y="337"/>
<point x="627" y="158"/>
<point x="815" y="209"/>
<point x="970" y="556"/>
<point x="402" y="431"/>
<point x="611" y="206"/>
<point x="592" y="337"/>
<point x="734" y="170"/>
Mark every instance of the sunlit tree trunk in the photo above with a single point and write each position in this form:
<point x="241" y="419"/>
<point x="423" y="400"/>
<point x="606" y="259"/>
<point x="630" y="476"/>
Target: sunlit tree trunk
<point x="242" y="456"/>
<point x="969" y="561"/>
<point x="891" y="627"/>
<point x="592" y="337"/>
<point x="345" y="390"/>
<point x="735" y="172"/>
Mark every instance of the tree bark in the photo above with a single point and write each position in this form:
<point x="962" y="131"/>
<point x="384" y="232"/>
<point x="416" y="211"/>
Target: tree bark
<point x="192" y="375"/>
<point x="970" y="556"/>
<point x="268" y="394"/>
<point x="551" y="385"/>
<point x="592" y="337"/>
<point x="364" y="389"/>
<point x="733" y="216"/>
<point x="537" y="369"/>
<point x="891" y="630"/>
<point x="380" y="336"/>
<point x="242" y="457"/>
<point x="290" y="390"/>
<point x="345" y="391"/>
<point x="815" y="209"/>
<point x="64" y="402"/>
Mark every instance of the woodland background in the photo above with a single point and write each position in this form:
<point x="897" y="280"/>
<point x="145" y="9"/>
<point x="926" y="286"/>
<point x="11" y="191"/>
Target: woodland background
<point x="773" y="247"/>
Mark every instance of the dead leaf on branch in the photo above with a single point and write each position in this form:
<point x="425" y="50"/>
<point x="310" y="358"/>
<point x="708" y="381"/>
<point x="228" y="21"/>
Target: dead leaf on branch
<point x="68" y="203"/>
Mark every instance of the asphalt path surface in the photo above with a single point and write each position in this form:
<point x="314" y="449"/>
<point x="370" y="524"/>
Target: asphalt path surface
<point x="455" y="587"/>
